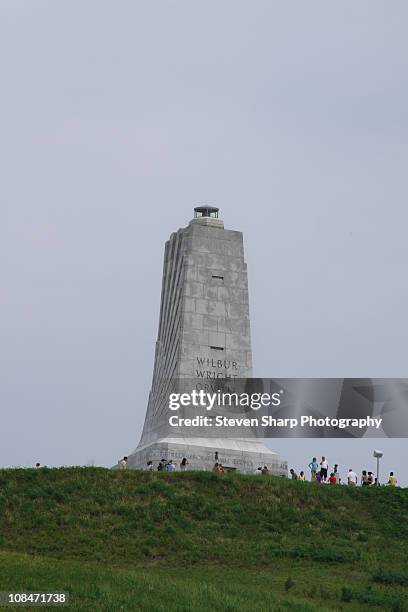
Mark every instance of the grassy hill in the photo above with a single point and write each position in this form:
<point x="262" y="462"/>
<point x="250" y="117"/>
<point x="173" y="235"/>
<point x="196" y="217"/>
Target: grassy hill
<point x="128" y="540"/>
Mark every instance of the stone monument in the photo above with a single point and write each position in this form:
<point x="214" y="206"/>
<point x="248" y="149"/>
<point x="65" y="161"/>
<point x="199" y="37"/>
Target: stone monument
<point x="204" y="334"/>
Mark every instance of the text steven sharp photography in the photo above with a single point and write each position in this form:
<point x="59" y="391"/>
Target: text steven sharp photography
<point x="254" y="401"/>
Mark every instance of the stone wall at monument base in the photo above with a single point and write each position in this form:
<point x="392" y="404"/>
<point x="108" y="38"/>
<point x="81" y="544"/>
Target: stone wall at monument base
<point x="244" y="456"/>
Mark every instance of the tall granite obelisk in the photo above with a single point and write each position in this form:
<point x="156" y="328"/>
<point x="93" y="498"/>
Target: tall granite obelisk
<point x="204" y="334"/>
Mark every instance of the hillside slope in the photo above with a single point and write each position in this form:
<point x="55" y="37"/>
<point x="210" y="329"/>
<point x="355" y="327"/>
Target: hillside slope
<point x="347" y="544"/>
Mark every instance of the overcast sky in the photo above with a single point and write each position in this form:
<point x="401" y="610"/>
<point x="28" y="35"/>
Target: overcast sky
<point x="117" y="118"/>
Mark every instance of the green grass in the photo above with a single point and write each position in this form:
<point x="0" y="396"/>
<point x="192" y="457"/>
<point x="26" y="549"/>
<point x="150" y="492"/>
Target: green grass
<point x="128" y="540"/>
<point x="199" y="588"/>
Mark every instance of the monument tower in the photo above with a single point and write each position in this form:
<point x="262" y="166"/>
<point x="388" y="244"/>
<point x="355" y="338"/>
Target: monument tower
<point x="204" y="334"/>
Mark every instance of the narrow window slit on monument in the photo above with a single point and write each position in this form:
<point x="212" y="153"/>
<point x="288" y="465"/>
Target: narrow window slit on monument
<point x="217" y="276"/>
<point x="217" y="348"/>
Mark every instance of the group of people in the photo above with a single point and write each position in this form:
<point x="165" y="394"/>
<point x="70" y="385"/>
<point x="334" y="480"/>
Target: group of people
<point x="262" y="471"/>
<point x="319" y="472"/>
<point x="164" y="465"/>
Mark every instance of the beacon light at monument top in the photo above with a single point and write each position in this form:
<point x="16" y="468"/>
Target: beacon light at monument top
<point x="204" y="334"/>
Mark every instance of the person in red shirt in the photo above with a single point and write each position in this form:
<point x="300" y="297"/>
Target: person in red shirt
<point x="332" y="478"/>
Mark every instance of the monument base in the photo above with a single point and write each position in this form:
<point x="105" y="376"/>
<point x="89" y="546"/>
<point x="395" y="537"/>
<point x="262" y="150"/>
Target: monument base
<point x="242" y="455"/>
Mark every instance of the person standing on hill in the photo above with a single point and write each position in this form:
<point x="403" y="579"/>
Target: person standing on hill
<point x="324" y="466"/>
<point x="313" y="465"/>
<point x="364" y="479"/>
<point x="265" y="470"/>
<point x="161" y="466"/>
<point x="352" y="478"/>
<point x="392" y="480"/>
<point x="293" y="474"/>
<point x="370" y="478"/>
<point x="123" y="464"/>
<point x="149" y="466"/>
<point x="302" y="476"/>
<point x="258" y="471"/>
<point x="183" y="464"/>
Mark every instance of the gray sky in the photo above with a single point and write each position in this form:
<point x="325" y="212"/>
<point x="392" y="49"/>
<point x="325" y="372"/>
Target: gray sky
<point x="116" y="119"/>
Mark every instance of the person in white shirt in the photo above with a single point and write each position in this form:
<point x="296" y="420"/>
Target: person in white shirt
<point x="258" y="471"/>
<point x="324" y="466"/>
<point x="352" y="478"/>
<point x="123" y="464"/>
